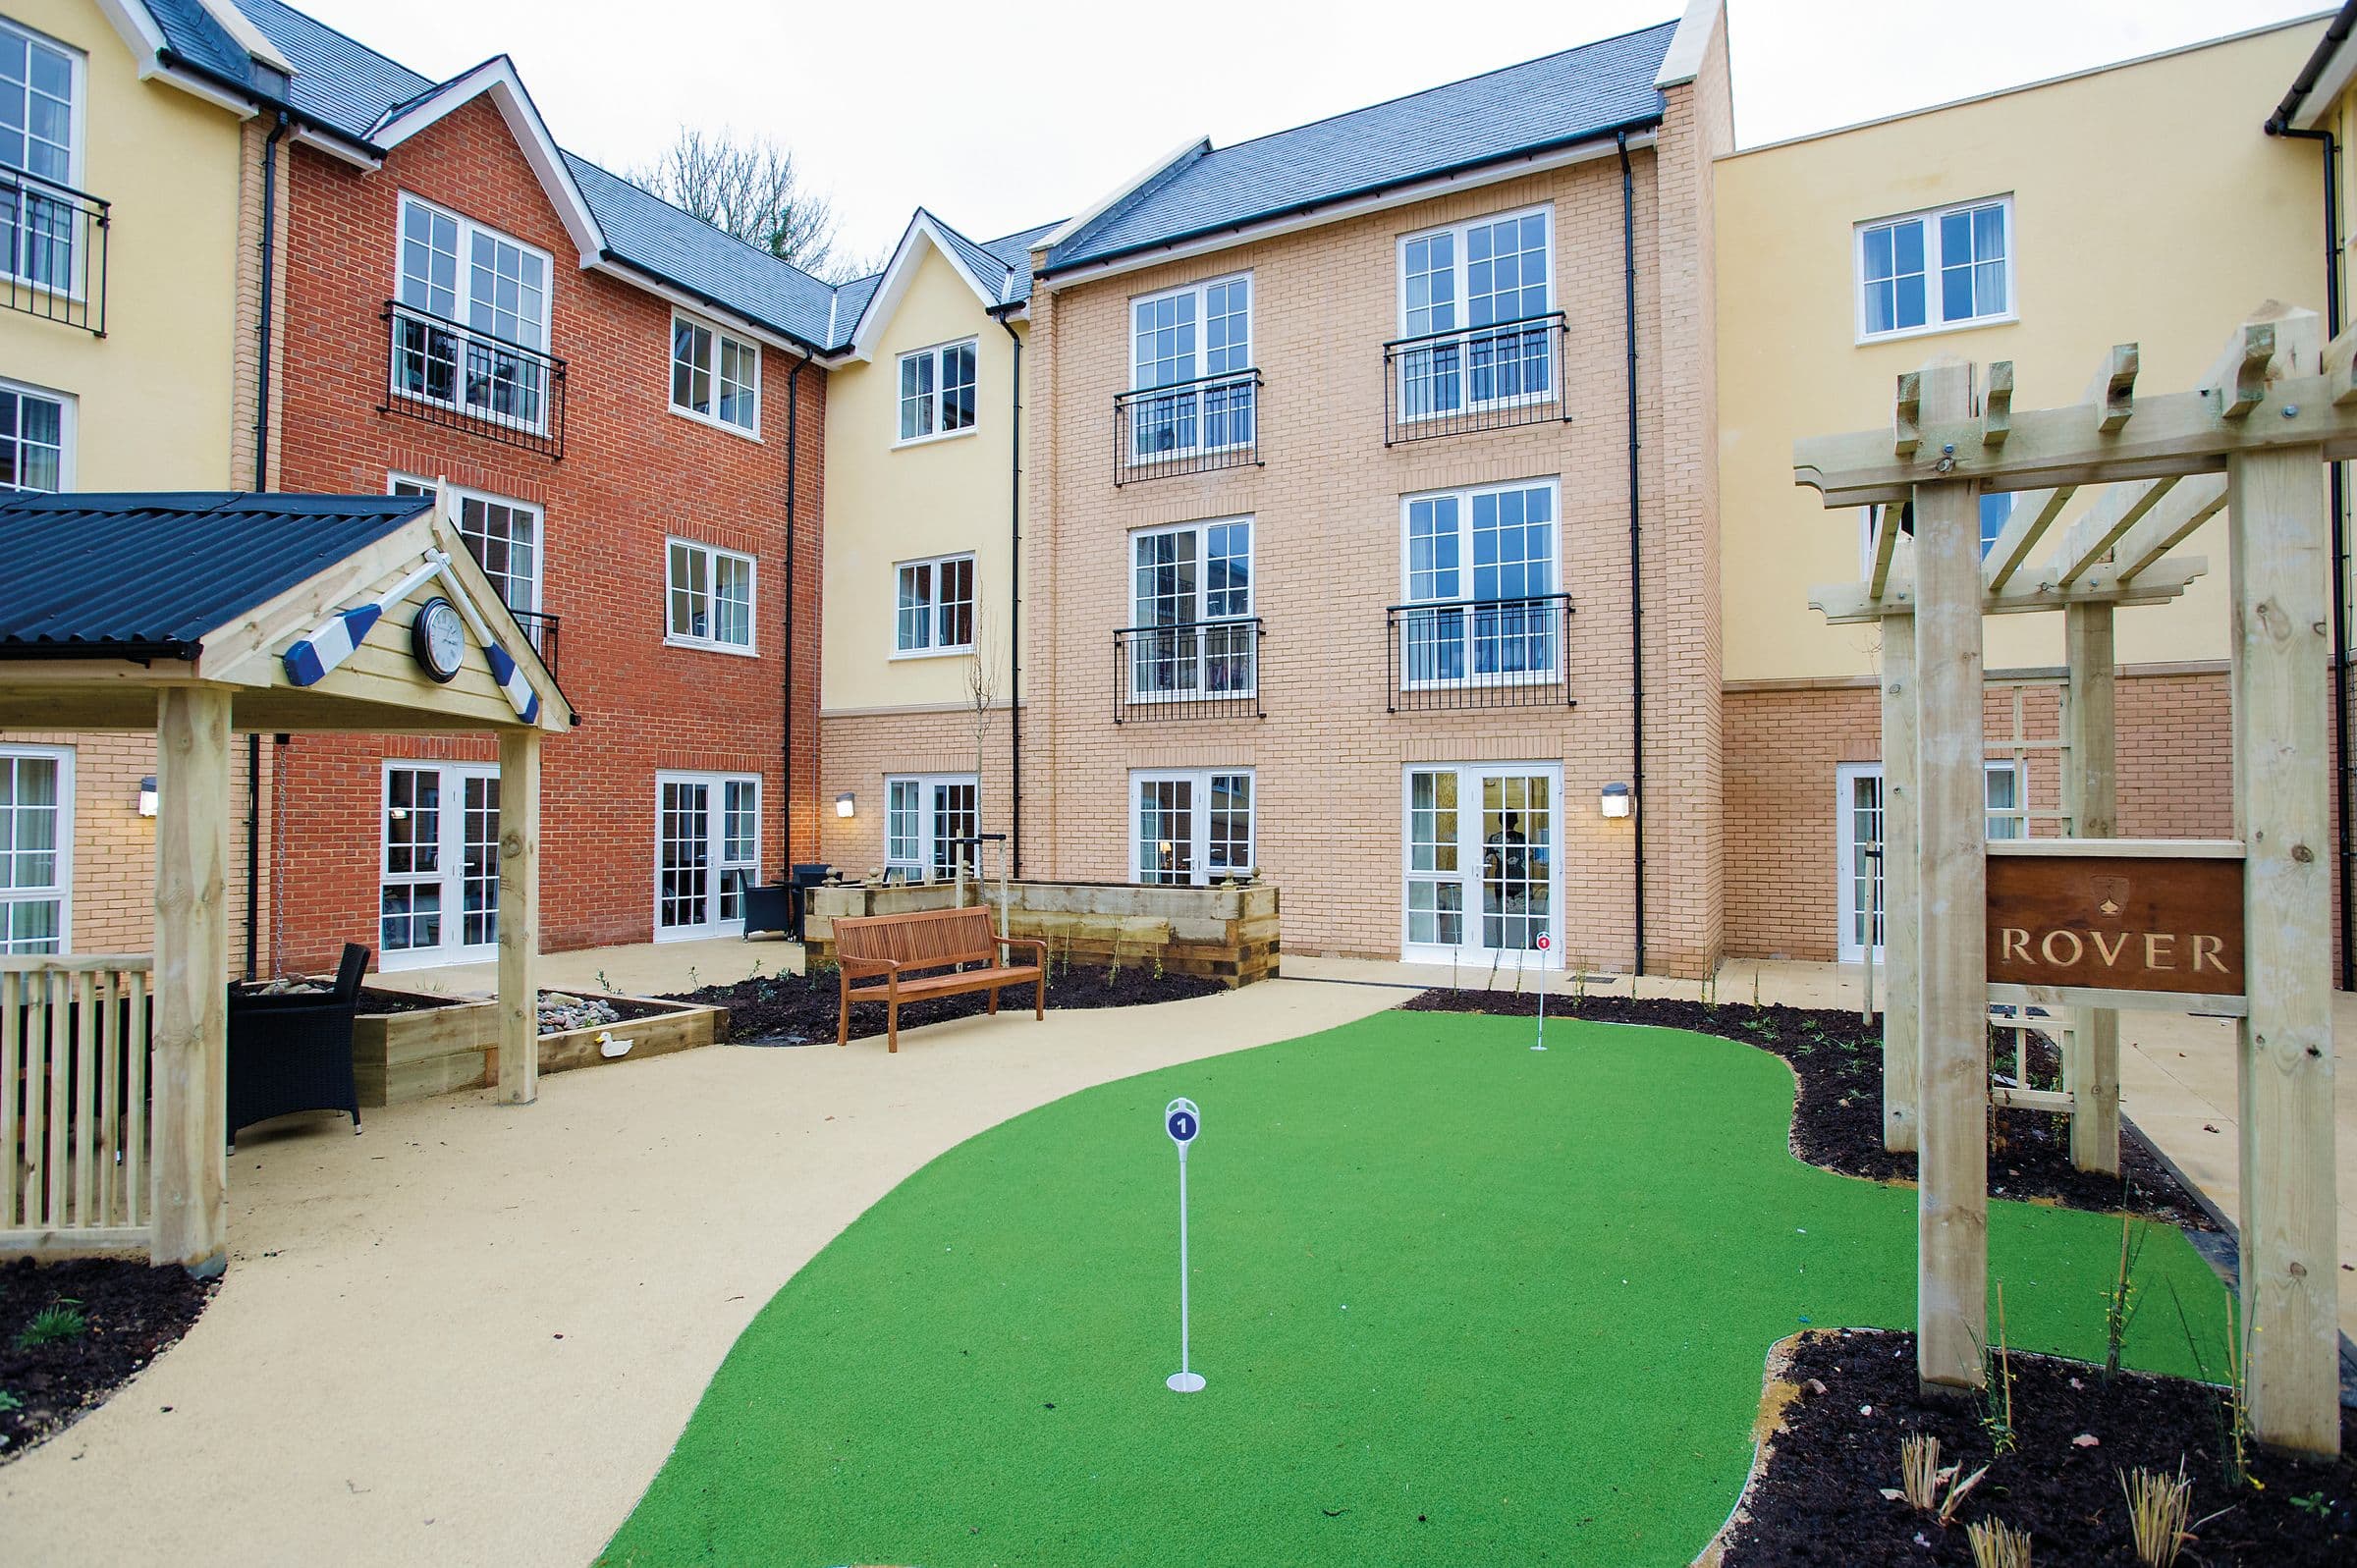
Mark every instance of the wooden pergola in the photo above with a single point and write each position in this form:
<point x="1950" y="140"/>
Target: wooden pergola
<point x="264" y="612"/>
<point x="2251" y="441"/>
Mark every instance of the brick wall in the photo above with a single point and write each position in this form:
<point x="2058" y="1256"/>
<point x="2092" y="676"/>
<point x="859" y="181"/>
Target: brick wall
<point x="1784" y="749"/>
<point x="860" y="750"/>
<point x="632" y="473"/>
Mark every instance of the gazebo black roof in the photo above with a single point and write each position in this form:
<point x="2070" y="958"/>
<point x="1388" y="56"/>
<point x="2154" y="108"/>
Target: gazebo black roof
<point x="146" y="575"/>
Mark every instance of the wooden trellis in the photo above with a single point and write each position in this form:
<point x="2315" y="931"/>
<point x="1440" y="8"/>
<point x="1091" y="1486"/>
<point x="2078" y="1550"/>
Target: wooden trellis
<point x="2250" y="441"/>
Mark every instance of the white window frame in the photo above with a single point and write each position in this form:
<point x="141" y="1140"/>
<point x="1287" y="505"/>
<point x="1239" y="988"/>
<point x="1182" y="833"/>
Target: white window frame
<point x="717" y="863"/>
<point x="1200" y="387"/>
<point x="931" y="566"/>
<point x="1463" y="495"/>
<point x="928" y="821"/>
<point x="1469" y="862"/>
<point x="61" y="886"/>
<point x="751" y="646"/>
<point x="1215" y="638"/>
<point x="457" y="324"/>
<point x="77" y="285"/>
<point x="1459" y="276"/>
<point x="1198" y="781"/>
<point x="1846" y="950"/>
<point x="450" y="875"/>
<point x="1934" y="295"/>
<point x="68" y="407"/>
<point x="717" y="335"/>
<point x="409" y="485"/>
<point x="936" y="400"/>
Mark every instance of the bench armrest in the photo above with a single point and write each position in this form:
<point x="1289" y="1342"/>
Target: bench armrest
<point x="850" y="967"/>
<point x="1033" y="942"/>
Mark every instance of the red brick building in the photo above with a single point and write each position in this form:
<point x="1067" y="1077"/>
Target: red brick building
<point x="620" y="397"/>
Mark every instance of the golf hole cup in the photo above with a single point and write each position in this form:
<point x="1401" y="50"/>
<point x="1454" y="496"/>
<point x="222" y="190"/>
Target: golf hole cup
<point x="1181" y="1121"/>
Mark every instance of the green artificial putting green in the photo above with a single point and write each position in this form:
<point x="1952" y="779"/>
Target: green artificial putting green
<point x="1458" y="1302"/>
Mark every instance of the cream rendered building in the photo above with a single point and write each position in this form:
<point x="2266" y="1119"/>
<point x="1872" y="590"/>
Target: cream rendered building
<point x="1842" y="264"/>
<point x="920" y="591"/>
<point x="126" y="363"/>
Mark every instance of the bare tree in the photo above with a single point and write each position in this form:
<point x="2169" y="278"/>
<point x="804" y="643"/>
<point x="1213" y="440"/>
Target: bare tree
<point x="750" y="187"/>
<point x="982" y="697"/>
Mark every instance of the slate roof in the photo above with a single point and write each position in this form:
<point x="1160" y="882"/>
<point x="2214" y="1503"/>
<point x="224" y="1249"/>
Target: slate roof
<point x="149" y="573"/>
<point x="1557" y="100"/>
<point x="1003" y="267"/>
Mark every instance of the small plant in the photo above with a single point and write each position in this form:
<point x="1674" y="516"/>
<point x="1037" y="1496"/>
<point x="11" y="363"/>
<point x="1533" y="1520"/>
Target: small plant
<point x="2158" y="1507"/>
<point x="2316" y="1503"/>
<point x="9" y="1402"/>
<point x="2119" y="1301"/>
<point x="1755" y="985"/>
<point x="1922" y="1479"/>
<point x="2234" y="1406"/>
<point x="1997" y="1387"/>
<point x="607" y="986"/>
<point x="1996" y="1545"/>
<point x="1710" y="990"/>
<point x="692" y="977"/>
<point x="54" y="1324"/>
<point x="1579" y="987"/>
<point x="1158" y="964"/>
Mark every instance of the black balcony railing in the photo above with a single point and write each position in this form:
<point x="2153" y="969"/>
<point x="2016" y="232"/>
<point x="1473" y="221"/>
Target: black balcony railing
<point x="1189" y="427"/>
<point x="1479" y="653"/>
<point x="455" y="376"/>
<point x="1203" y="670"/>
<point x="1479" y="378"/>
<point x="53" y="250"/>
<point x="542" y="630"/>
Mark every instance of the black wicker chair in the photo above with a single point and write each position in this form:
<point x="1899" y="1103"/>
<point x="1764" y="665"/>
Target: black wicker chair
<point x="293" y="1051"/>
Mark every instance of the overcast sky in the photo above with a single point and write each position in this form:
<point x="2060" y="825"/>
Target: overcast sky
<point x="1001" y="115"/>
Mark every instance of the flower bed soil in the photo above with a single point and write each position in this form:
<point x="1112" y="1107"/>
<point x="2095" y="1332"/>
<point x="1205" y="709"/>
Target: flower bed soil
<point x="378" y="1003"/>
<point x="801" y="1009"/>
<point x="1818" y="1498"/>
<point x="133" y="1311"/>
<point x="1838" y="1114"/>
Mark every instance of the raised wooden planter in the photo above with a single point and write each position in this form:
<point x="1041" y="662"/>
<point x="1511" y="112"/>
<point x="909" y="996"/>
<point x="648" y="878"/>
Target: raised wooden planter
<point x="436" y="1050"/>
<point x="1228" y="934"/>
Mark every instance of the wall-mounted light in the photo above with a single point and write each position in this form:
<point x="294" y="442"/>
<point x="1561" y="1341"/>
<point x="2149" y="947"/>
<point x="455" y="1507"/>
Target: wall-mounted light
<point x="1617" y="801"/>
<point x="846" y="804"/>
<point x="147" y="801"/>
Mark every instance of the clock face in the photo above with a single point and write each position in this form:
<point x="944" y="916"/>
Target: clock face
<point x="438" y="638"/>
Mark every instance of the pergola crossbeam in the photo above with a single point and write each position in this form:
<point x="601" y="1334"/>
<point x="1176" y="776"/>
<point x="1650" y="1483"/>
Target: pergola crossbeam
<point x="2238" y="381"/>
<point x="1997" y="406"/>
<point x="2091" y="538"/>
<point x="1852" y="603"/>
<point x="1886" y="547"/>
<point x="2033" y="514"/>
<point x="2168" y="524"/>
<point x="2112" y="392"/>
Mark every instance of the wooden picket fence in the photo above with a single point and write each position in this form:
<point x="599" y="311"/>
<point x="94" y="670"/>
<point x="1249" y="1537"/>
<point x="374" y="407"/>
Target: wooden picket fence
<point x="75" y="1045"/>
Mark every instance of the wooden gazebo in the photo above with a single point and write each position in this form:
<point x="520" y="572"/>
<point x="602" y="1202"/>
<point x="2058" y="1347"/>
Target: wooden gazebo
<point x="197" y="616"/>
<point x="2090" y="923"/>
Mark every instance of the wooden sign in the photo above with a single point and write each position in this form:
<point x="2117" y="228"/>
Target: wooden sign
<point x="2080" y="913"/>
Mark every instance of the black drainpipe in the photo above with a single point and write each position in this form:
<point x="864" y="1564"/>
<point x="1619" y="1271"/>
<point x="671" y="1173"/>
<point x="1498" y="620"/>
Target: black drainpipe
<point x="1015" y="600"/>
<point x="261" y="482"/>
<point x="794" y="460"/>
<point x="1636" y="572"/>
<point x="2345" y="852"/>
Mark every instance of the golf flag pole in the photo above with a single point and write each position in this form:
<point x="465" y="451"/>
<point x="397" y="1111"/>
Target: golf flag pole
<point x="1546" y="941"/>
<point x="1181" y="1121"/>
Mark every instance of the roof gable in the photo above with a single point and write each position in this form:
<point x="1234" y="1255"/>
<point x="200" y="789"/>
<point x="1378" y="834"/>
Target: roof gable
<point x="999" y="274"/>
<point x="495" y="79"/>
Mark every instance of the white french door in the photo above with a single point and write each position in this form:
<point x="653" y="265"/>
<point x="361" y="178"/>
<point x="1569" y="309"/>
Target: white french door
<point x="1482" y="875"/>
<point x="707" y="852"/>
<point x="1859" y="806"/>
<point x="438" y="878"/>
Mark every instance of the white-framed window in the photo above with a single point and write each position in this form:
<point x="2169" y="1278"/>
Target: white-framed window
<point x="715" y="377"/>
<point x="1480" y="574"/>
<point x="710" y="593"/>
<point x="1474" y="303"/>
<point x="1198" y="341"/>
<point x="470" y="326"/>
<point x="1190" y="827"/>
<point x="1945" y="267"/>
<point x="41" y="97"/>
<point x="1481" y="873"/>
<point x="933" y="605"/>
<point x="925" y="818"/>
<point x="1858" y="808"/>
<point x="502" y="535"/>
<point x="1190" y="605"/>
<point x="36" y="850"/>
<point x="36" y="439"/>
<point x="1997" y="510"/>
<point x="438" y="881"/>
<point x="707" y="852"/>
<point x="937" y="391"/>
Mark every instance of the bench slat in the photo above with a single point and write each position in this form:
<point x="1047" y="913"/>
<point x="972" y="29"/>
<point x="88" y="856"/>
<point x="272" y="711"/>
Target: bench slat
<point x="929" y="940"/>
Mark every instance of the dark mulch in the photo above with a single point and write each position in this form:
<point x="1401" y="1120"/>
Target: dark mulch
<point x="375" y="1001"/>
<point x="133" y="1312"/>
<point x="800" y="1009"/>
<point x="1838" y="1120"/>
<point x="1818" y="1499"/>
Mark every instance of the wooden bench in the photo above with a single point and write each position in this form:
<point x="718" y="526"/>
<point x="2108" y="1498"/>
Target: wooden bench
<point x="901" y="947"/>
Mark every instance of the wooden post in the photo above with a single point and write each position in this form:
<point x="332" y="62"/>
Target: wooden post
<point x="519" y="916"/>
<point x="2093" y="790"/>
<point x="2281" y="644"/>
<point x="191" y="976"/>
<point x="1951" y="1290"/>
<point x="1901" y="1041"/>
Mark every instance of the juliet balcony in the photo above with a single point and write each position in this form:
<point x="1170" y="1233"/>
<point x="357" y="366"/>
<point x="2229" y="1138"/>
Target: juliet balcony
<point x="1483" y="378"/>
<point x="1478" y="653"/>
<point x="1202" y="669"/>
<point x="1194" y="426"/>
<point x="460" y="378"/>
<point x="53" y="242"/>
